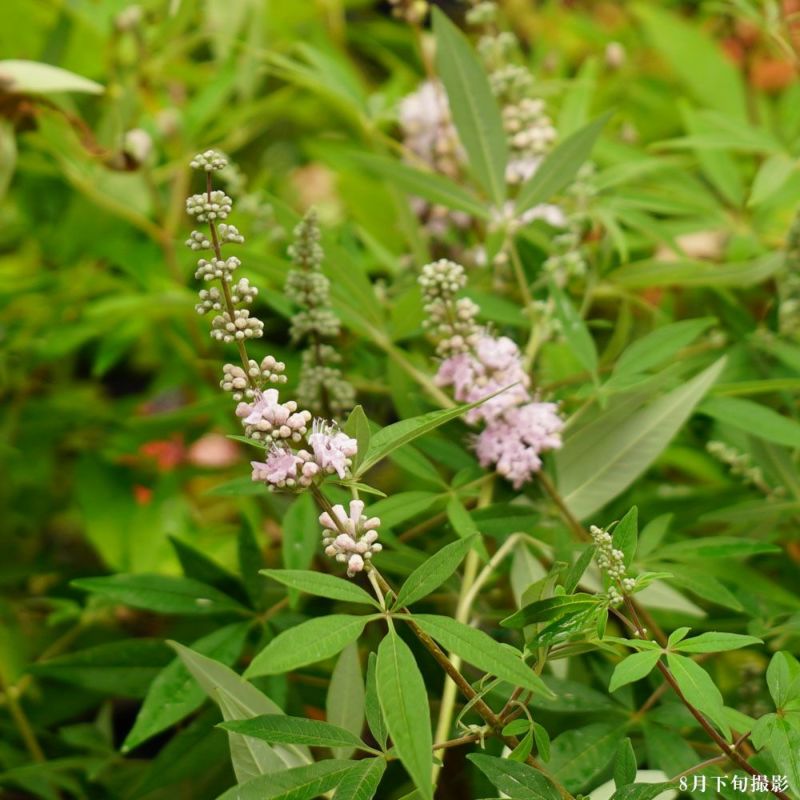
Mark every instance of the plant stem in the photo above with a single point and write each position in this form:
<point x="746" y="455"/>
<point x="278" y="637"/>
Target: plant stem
<point x="519" y="273"/>
<point x="399" y="357"/>
<point x="583" y="535"/>
<point x="23" y="725"/>
<point x="729" y="751"/>
<point x="226" y="291"/>
<point x="481" y="708"/>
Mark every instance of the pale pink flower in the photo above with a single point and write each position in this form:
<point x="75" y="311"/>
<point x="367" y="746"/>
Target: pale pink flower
<point x="495" y="365"/>
<point x="268" y="419"/>
<point x="351" y="539"/>
<point x="333" y="450"/>
<point x="513" y="442"/>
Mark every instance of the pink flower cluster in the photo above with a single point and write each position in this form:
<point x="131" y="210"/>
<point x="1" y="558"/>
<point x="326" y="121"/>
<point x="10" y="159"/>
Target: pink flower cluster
<point x="518" y="428"/>
<point x="493" y="364"/>
<point x="331" y="453"/>
<point x="350" y="539"/>
<point x="268" y="420"/>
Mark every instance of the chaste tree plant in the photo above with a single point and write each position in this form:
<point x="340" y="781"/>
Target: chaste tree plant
<point x="514" y="527"/>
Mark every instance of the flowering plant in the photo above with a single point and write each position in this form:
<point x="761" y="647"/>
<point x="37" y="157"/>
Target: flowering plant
<point x="515" y="389"/>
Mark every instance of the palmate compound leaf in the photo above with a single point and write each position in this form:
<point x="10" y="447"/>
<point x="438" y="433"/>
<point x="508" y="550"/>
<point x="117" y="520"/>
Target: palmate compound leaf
<point x="479" y="649"/>
<point x="238" y="699"/>
<point x="299" y="783"/>
<point x="404" y="703"/>
<point x="311" y="641"/>
<point x="593" y="471"/>
<point x="515" y="780"/>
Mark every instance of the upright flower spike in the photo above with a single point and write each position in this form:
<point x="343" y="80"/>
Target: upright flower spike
<point x="350" y="538"/>
<point x="322" y="387"/>
<point x="298" y="455"/>
<point x="478" y="364"/>
<point x="611" y="562"/>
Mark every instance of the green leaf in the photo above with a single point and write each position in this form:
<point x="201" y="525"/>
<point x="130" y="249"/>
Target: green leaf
<point x="715" y="547"/>
<point x="580" y="755"/>
<point x="238" y="699"/>
<point x="404" y="702"/>
<point x="199" y="567"/>
<point x="362" y="781"/>
<point x="550" y="608"/>
<point x="344" y="704"/>
<point x="402" y="506"/>
<point x="126" y="667"/>
<point x="399" y="433"/>
<point x="174" y="694"/>
<point x="311" y="641"/>
<point x="784" y="744"/>
<point x="280" y="729"/>
<point x="688" y="273"/>
<point x="542" y="739"/>
<point x="601" y="461"/>
<point x="300" y="538"/>
<point x="357" y="427"/>
<point x="755" y="419"/>
<point x="641" y="791"/>
<point x="783" y="678"/>
<point x="433" y="572"/>
<point x="560" y="167"/>
<point x="633" y="668"/>
<point x="771" y="177"/>
<point x="33" y="77"/>
<point x="626" y="535"/>
<point x="473" y="106"/>
<point x="692" y="53"/>
<point x="299" y="783"/>
<point x="657" y="347"/>
<point x="678" y="635"/>
<point x="575" y="332"/>
<point x="523" y="749"/>
<point x="321" y="585"/>
<point x="699" y="689"/>
<point x="479" y="649"/>
<point x="372" y="707"/>
<point x="715" y="642"/>
<point x="461" y="519"/>
<point x="573" y="577"/>
<point x="518" y="781"/>
<point x="162" y="593"/>
<point x="429" y="185"/>
<point x="624" y="764"/>
<point x="8" y="155"/>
